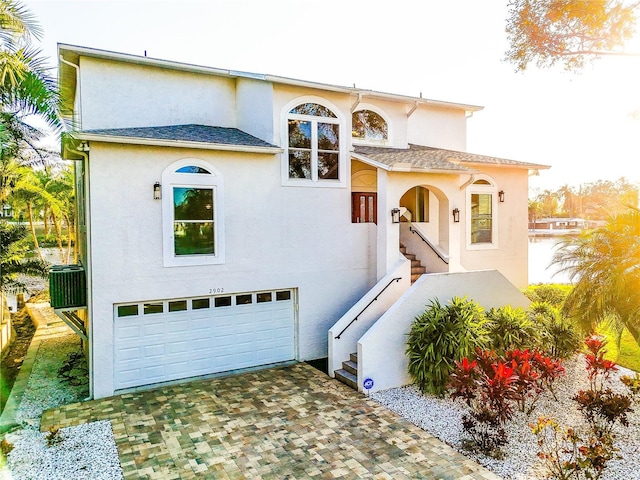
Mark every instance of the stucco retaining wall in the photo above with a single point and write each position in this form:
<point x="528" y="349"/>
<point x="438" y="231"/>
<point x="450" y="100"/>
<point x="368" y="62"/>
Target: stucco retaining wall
<point x="381" y="351"/>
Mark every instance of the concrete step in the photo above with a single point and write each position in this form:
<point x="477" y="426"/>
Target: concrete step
<point x="347" y="378"/>
<point x="351" y="367"/>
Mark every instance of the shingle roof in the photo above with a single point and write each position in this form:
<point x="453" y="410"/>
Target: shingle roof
<point x="185" y="133"/>
<point x="430" y="158"/>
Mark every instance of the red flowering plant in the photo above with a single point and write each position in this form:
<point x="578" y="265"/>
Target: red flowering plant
<point x="549" y="371"/>
<point x="526" y="382"/>
<point x="601" y="407"/>
<point x="599" y="369"/>
<point x="570" y="455"/>
<point x="488" y="389"/>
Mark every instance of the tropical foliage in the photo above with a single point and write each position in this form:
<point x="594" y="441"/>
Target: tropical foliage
<point x="567" y="32"/>
<point x="552" y="293"/>
<point x="604" y="265"/>
<point x="439" y="337"/>
<point x="31" y="176"/>
<point x="511" y="328"/>
<point x="13" y="249"/>
<point x="559" y="338"/>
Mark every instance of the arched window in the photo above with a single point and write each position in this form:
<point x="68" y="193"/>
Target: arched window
<point x="313" y="145"/>
<point x="193" y="220"/>
<point x="370" y="126"/>
<point x="481" y="214"/>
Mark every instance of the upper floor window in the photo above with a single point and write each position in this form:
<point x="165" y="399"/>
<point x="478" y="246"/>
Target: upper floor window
<point x="481" y="198"/>
<point x="313" y="145"/>
<point x="192" y="214"/>
<point x="369" y="126"/>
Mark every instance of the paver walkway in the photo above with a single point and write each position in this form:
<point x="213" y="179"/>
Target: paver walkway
<point x="281" y="423"/>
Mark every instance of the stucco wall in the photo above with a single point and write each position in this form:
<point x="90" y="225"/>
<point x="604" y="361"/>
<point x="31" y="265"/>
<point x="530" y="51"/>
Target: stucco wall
<point x="381" y="351"/>
<point x="254" y="107"/>
<point x="438" y="127"/>
<point x="125" y="95"/>
<point x="276" y="237"/>
<point x="511" y="255"/>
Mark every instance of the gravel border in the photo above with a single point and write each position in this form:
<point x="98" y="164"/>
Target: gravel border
<point x="85" y="451"/>
<point x="442" y="418"/>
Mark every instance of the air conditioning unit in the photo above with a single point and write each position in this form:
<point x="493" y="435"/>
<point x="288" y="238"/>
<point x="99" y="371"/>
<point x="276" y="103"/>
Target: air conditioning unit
<point x="67" y="286"/>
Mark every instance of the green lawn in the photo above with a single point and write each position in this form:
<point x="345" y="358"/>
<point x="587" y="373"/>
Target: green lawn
<point x="628" y="355"/>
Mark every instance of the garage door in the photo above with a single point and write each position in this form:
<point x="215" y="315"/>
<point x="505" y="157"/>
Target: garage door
<point x="167" y="340"/>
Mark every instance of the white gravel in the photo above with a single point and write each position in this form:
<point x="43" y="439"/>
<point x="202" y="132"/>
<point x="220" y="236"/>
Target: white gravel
<point x="45" y="389"/>
<point x="442" y="418"/>
<point x="84" y="452"/>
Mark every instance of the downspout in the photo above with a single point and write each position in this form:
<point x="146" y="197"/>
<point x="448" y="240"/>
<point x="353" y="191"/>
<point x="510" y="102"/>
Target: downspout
<point x="85" y="155"/>
<point x="356" y="103"/>
<point x="79" y="96"/>
<point x="413" y="109"/>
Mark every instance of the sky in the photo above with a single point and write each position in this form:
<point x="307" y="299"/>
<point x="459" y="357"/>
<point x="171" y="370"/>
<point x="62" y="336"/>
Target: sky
<point x="582" y="125"/>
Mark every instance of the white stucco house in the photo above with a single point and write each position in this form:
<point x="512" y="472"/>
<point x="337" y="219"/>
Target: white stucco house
<point x="230" y="220"/>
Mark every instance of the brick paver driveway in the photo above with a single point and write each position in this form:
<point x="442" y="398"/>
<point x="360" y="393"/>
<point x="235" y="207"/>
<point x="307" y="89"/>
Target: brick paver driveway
<point x="282" y="423"/>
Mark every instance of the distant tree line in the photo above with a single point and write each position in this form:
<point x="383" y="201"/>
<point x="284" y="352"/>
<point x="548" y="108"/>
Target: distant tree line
<point x="594" y="201"/>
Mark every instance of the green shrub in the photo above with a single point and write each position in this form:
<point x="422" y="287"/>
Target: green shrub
<point x="510" y="329"/>
<point x="560" y="338"/>
<point x="439" y="337"/>
<point x="552" y="293"/>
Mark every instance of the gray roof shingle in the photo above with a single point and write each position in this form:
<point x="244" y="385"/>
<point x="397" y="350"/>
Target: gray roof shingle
<point x="431" y="158"/>
<point x="186" y="133"/>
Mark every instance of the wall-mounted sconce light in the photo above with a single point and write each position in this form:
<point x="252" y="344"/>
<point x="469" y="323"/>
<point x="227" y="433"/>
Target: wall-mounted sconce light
<point x="395" y="215"/>
<point x="501" y="196"/>
<point x="456" y="215"/>
<point x="157" y="195"/>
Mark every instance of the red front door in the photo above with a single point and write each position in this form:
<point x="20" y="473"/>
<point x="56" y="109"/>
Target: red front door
<point x="364" y="207"/>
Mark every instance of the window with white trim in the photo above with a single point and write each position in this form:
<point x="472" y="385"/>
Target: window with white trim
<point x="369" y="126"/>
<point x="193" y="220"/>
<point x="313" y="144"/>
<point x="482" y="214"/>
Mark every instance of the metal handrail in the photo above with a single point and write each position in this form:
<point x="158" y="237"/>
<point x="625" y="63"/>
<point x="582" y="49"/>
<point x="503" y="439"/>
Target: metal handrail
<point x="413" y="230"/>
<point x="361" y="311"/>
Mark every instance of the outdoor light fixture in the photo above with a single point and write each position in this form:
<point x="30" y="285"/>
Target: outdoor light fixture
<point x="501" y="196"/>
<point x="456" y="215"/>
<point x="156" y="191"/>
<point x="395" y="215"/>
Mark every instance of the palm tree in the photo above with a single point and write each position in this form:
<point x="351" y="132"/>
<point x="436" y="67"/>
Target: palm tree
<point x="26" y="87"/>
<point x="604" y="264"/>
<point x="12" y="258"/>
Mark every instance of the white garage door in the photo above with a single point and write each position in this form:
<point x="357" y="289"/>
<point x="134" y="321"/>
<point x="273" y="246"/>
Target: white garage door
<point x="170" y="339"/>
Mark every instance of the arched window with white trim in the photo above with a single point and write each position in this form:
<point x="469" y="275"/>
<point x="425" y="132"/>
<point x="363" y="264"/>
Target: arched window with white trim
<point x="482" y="214"/>
<point x="369" y="126"/>
<point x="193" y="214"/>
<point x="314" y="150"/>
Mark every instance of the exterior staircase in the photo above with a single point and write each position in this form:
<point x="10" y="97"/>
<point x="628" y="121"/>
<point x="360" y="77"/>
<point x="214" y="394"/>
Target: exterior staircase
<point x="348" y="374"/>
<point x="416" y="266"/>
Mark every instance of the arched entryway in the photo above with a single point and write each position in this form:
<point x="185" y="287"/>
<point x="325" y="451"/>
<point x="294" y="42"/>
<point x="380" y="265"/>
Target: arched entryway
<point x="424" y="226"/>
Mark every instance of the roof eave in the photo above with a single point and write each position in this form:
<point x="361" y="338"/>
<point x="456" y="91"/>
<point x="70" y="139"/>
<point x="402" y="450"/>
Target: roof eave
<point x="155" y="142"/>
<point x="523" y="166"/>
<point x="73" y="52"/>
<point x="403" y="168"/>
<point x="370" y="161"/>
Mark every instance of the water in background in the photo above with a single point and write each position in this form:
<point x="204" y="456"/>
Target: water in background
<point x="541" y="251"/>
